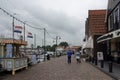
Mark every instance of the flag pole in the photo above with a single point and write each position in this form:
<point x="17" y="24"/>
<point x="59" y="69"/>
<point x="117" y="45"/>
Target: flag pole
<point x="24" y="31"/>
<point x="13" y="28"/>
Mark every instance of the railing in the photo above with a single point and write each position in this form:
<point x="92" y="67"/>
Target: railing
<point x="13" y="64"/>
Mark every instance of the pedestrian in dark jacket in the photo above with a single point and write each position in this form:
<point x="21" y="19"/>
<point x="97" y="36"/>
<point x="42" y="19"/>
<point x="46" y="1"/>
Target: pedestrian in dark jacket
<point x="48" y="57"/>
<point x="69" y="53"/>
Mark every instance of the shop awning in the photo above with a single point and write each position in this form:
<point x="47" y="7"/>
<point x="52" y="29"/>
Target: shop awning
<point x="89" y="43"/>
<point x="10" y="41"/>
<point x="109" y="36"/>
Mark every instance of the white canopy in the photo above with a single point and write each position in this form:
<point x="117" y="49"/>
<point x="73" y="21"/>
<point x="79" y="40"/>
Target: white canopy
<point x="109" y="36"/>
<point x="88" y="43"/>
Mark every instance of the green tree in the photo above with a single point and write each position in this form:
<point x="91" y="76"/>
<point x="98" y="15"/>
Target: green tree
<point x="53" y="47"/>
<point x="65" y="44"/>
<point x="48" y="48"/>
<point x="38" y="47"/>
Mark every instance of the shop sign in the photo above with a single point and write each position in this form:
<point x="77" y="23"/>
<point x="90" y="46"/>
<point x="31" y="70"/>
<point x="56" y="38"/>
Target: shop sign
<point x="100" y="55"/>
<point x="109" y="36"/>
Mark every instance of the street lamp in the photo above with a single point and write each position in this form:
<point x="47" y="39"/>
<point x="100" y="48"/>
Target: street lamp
<point x="57" y="37"/>
<point x="13" y="29"/>
<point x="44" y="39"/>
<point x="35" y="40"/>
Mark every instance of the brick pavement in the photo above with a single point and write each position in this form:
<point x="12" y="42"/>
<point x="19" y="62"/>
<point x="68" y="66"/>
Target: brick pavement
<point x="58" y="69"/>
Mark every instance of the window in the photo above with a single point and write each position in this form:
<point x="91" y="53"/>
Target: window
<point x="116" y="19"/>
<point x="113" y="20"/>
<point x="110" y="22"/>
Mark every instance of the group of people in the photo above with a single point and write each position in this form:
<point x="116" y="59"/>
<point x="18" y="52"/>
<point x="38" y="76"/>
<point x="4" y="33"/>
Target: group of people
<point x="77" y="55"/>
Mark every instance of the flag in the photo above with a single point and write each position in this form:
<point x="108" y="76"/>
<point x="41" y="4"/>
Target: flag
<point x="30" y="35"/>
<point x="18" y="29"/>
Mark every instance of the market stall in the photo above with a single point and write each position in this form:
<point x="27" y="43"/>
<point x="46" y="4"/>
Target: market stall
<point x="11" y="56"/>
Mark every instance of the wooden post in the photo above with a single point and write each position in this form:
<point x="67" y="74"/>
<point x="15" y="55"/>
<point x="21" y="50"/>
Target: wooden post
<point x="26" y="67"/>
<point x="13" y="72"/>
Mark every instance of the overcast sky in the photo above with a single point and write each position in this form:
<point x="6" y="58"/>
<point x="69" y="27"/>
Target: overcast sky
<point x="63" y="18"/>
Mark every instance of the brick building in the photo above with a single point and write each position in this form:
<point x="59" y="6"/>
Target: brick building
<point x="95" y="23"/>
<point x="95" y="26"/>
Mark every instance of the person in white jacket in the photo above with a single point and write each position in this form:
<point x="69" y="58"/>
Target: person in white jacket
<point x="77" y="55"/>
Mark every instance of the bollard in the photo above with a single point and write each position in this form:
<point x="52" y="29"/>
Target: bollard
<point x="95" y="61"/>
<point x="92" y="60"/>
<point x="102" y="64"/>
<point x="13" y="72"/>
<point x="110" y="67"/>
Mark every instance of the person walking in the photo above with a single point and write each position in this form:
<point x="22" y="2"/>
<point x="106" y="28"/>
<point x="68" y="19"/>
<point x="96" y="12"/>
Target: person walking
<point x="77" y="55"/>
<point x="48" y="56"/>
<point x="69" y="54"/>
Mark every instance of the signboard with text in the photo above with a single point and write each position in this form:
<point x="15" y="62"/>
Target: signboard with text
<point x="100" y="55"/>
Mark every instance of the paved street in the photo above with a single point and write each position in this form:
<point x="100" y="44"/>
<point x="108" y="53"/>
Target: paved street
<point x="58" y="69"/>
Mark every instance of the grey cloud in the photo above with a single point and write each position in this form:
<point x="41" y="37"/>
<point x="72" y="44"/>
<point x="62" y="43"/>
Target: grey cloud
<point x="56" y="20"/>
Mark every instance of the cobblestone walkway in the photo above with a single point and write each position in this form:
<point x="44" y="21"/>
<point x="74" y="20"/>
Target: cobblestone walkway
<point x="58" y="69"/>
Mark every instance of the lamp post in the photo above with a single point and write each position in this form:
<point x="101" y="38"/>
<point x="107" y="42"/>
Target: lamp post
<point x="44" y="42"/>
<point x="44" y="39"/>
<point x="35" y="40"/>
<point x="24" y="31"/>
<point x="13" y="30"/>
<point x="24" y="23"/>
<point x="44" y="35"/>
<point x="13" y="24"/>
<point x="57" y="37"/>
